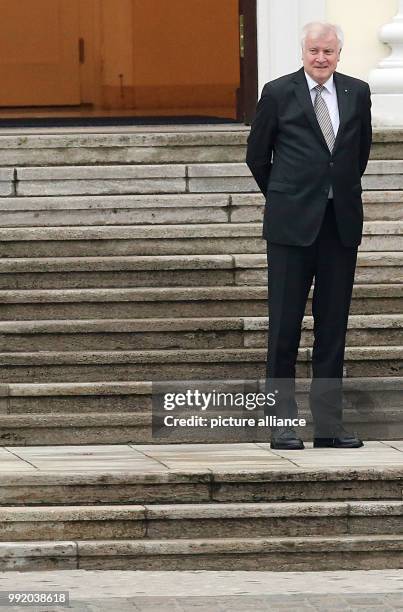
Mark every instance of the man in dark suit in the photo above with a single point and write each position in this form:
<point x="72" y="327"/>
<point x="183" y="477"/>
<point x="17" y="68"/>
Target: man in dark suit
<point x="307" y="150"/>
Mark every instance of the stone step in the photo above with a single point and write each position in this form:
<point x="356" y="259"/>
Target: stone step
<point x="378" y="422"/>
<point x="120" y="412"/>
<point x="363" y="330"/>
<point x="169" y="270"/>
<point x="378" y="267"/>
<point x="145" y="334"/>
<point x="95" y="180"/>
<point x="176" y="302"/>
<point x="217" y="238"/>
<point x="167" y="178"/>
<point x="312" y="553"/>
<point x="196" y="364"/>
<point x="236" y="177"/>
<point x="7" y="177"/>
<point x="119" y="271"/>
<point x="72" y="398"/>
<point x="146" y="523"/>
<point x="162" y="145"/>
<point x="136" y="396"/>
<point x="83" y="366"/>
<point x="147" y="147"/>
<point x="378" y="205"/>
<point x="104" y="428"/>
<point x="119" y="210"/>
<point x="202" y="239"/>
<point x="163" y="208"/>
<point x="270" y="482"/>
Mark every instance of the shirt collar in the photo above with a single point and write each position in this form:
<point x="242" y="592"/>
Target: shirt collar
<point x="329" y="85"/>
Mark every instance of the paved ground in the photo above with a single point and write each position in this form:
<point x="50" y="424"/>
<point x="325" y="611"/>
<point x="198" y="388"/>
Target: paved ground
<point x="172" y="457"/>
<point x="216" y="591"/>
<point x="200" y="590"/>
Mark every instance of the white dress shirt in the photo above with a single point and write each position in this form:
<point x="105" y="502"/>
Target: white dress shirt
<point x="329" y="95"/>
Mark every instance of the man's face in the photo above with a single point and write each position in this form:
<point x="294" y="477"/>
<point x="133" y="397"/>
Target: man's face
<point x="320" y="56"/>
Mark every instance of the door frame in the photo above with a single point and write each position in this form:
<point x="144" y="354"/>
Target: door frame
<point x="248" y="90"/>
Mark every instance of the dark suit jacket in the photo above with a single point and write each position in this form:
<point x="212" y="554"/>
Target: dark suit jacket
<point x="288" y="156"/>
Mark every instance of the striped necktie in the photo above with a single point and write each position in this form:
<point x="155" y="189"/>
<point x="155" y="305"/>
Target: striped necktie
<point x="323" y="117"/>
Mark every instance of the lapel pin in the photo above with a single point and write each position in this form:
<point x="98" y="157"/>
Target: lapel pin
<point x="346" y="90"/>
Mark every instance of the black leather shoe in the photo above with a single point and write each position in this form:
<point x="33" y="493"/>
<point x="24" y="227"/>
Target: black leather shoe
<point x="342" y="440"/>
<point x="285" y="438"/>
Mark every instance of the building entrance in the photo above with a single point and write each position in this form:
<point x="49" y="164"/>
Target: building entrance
<point x="123" y="57"/>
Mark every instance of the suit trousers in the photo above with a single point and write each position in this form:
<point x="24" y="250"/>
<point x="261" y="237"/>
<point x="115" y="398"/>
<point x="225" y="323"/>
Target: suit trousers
<point x="291" y="271"/>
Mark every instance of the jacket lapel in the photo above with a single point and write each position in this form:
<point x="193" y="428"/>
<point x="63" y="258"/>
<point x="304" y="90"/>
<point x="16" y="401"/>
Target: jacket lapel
<point x="343" y="102"/>
<point x="304" y="98"/>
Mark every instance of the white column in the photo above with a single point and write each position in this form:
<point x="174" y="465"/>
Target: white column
<point x="386" y="81"/>
<point x="279" y="24"/>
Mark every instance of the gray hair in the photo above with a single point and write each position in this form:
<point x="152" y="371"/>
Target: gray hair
<point x="321" y="27"/>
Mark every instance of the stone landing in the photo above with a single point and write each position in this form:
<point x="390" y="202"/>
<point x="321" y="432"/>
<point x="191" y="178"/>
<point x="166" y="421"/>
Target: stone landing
<point x="201" y="506"/>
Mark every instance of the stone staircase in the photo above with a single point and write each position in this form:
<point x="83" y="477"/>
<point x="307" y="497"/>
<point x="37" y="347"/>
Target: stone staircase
<point x="210" y="507"/>
<point x="133" y="257"/>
